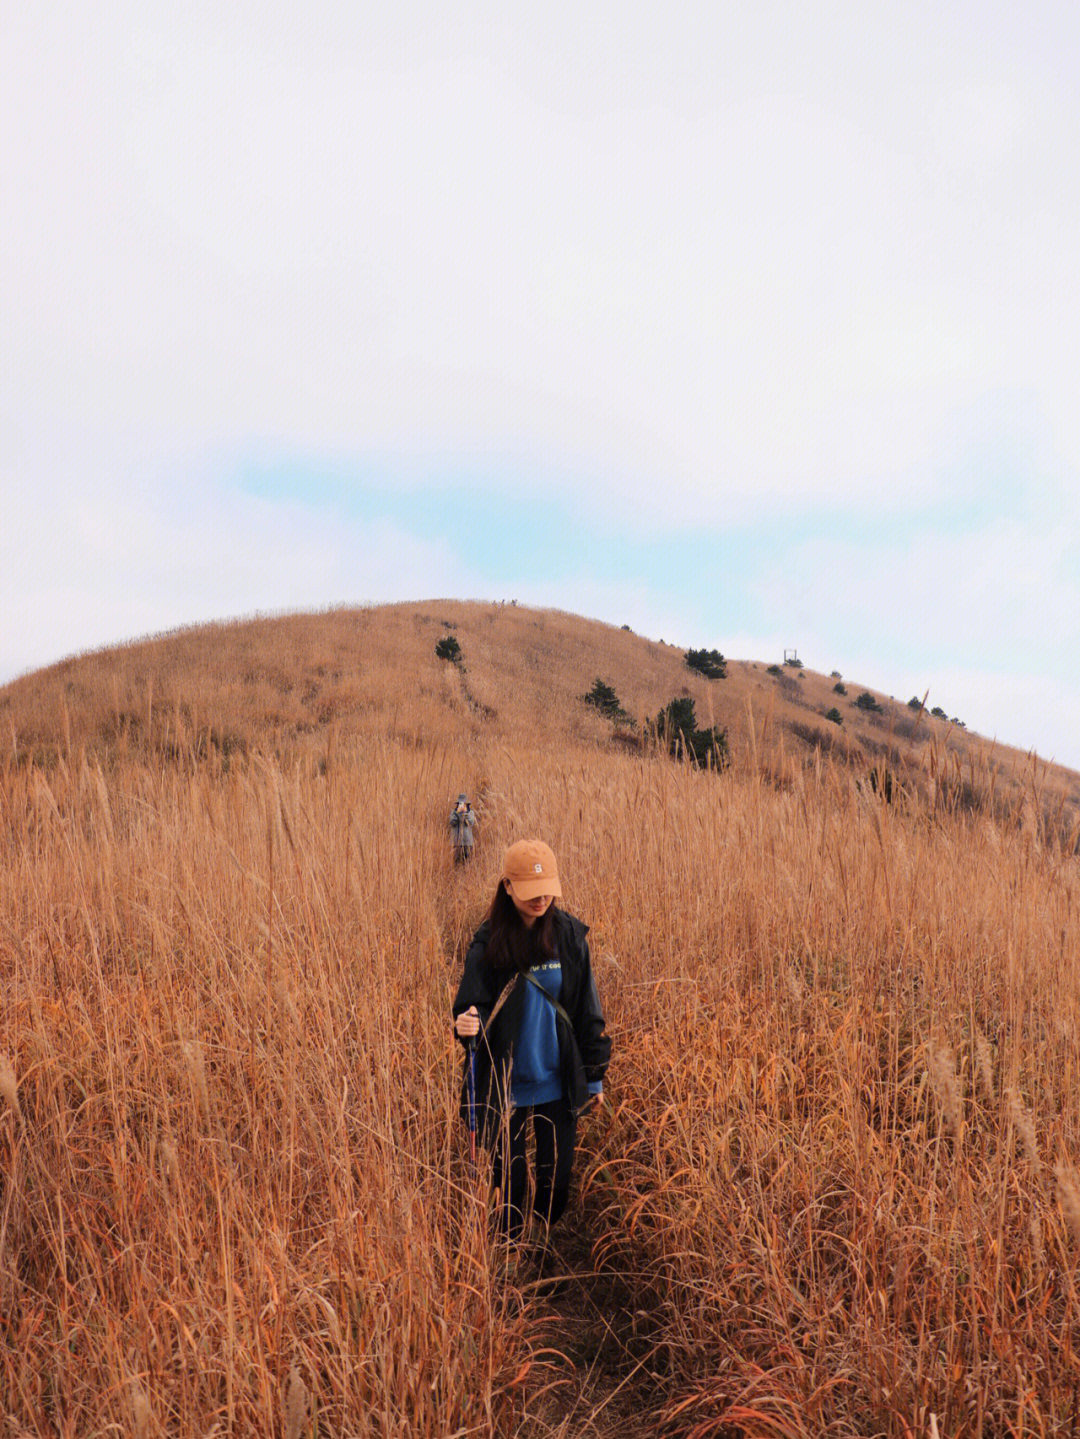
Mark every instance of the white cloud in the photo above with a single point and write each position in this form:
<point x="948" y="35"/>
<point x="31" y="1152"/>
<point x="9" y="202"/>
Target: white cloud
<point x="716" y="287"/>
<point x="1003" y="590"/>
<point x="131" y="558"/>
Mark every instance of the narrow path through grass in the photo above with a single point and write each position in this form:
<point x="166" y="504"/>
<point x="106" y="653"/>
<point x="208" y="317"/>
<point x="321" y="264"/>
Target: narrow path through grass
<point x="596" y="1378"/>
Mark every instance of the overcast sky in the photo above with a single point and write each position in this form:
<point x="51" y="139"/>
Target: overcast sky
<point x="750" y="326"/>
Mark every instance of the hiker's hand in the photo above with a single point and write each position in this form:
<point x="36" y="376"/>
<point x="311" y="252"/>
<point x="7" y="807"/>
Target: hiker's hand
<point x="468" y="1024"/>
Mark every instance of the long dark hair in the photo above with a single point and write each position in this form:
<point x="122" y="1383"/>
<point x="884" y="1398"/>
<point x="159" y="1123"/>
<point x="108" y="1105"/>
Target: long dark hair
<point x="512" y="944"/>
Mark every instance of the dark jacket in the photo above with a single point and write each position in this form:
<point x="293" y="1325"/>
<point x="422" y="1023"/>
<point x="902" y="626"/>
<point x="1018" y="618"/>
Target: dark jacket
<point x="584" y="1048"/>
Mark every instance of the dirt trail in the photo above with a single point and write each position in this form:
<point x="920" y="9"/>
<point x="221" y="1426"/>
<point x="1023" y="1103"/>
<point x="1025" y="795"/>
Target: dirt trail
<point x="597" y="1380"/>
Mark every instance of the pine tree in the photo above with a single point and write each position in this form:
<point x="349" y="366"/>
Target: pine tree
<point x="710" y="663"/>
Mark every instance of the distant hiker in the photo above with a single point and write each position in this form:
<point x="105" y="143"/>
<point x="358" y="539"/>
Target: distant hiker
<point x="528" y="998"/>
<point x="462" y="820"/>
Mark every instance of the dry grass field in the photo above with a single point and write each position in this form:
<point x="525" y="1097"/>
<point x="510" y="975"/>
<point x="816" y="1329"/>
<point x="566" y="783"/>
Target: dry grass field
<point x="834" y="1188"/>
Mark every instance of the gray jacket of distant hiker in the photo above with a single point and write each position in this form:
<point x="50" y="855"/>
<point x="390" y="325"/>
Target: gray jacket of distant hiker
<point x="461" y="825"/>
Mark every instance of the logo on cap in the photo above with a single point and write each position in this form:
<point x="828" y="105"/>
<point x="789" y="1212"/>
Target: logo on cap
<point x="538" y="869"/>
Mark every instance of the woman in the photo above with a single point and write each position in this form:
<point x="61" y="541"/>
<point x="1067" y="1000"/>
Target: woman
<point x="528" y="1000"/>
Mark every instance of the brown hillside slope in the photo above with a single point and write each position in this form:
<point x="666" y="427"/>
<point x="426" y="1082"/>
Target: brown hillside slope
<point x="835" y="1184"/>
<point x="307" y="680"/>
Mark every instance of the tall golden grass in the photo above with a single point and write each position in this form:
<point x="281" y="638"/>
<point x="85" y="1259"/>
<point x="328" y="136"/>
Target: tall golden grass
<point x="837" y="1172"/>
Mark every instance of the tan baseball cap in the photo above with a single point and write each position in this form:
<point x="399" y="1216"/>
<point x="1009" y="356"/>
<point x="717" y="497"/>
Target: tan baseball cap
<point x="530" y="867"/>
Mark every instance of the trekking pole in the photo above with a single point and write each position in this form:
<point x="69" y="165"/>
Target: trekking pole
<point x="470" y="1092"/>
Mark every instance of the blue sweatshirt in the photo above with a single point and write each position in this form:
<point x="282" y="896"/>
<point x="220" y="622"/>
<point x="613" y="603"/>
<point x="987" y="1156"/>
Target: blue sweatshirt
<point x="536" y="1077"/>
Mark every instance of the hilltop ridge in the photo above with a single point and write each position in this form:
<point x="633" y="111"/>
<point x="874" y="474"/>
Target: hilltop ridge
<point x="296" y="681"/>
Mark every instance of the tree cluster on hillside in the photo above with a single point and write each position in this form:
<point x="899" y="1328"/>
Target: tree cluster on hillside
<point x="710" y="663"/>
<point x="448" y="649"/>
<point x="675" y="728"/>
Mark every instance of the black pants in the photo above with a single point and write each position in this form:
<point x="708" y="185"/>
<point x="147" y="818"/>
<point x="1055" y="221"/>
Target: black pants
<point x="554" y="1132"/>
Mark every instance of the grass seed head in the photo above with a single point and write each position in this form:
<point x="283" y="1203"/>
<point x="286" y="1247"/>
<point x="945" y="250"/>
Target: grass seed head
<point x="142" y="1420"/>
<point x="1035" y="1229"/>
<point x="984" y="1065"/>
<point x="1069" y="1199"/>
<point x="794" y="985"/>
<point x="193" y="1053"/>
<point x="946" y="1086"/>
<point x="1024" y="1125"/>
<point x="8" y="1087"/>
<point x="295" y="1409"/>
<point x="170" y="1166"/>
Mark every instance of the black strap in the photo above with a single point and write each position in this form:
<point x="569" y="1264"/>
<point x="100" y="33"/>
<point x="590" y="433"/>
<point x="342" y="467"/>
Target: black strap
<point x="550" y="998"/>
<point x="505" y="995"/>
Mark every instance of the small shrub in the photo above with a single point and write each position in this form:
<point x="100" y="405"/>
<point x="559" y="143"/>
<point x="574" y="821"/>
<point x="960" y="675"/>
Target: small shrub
<point x="839" y="689"/>
<point x="914" y="703"/>
<point x="710" y="663"/>
<point x="939" y="713"/>
<point x="774" y="670"/>
<point x="628" y="630"/>
<point x="834" y="715"/>
<point x="866" y="701"/>
<point x="448" y="649"/>
<point x="836" y="675"/>
<point x="794" y="663"/>
<point x="603" y="698"/>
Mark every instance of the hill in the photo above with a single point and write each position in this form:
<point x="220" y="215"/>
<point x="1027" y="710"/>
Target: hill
<point x="302" y="682"/>
<point x="834" y="1187"/>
